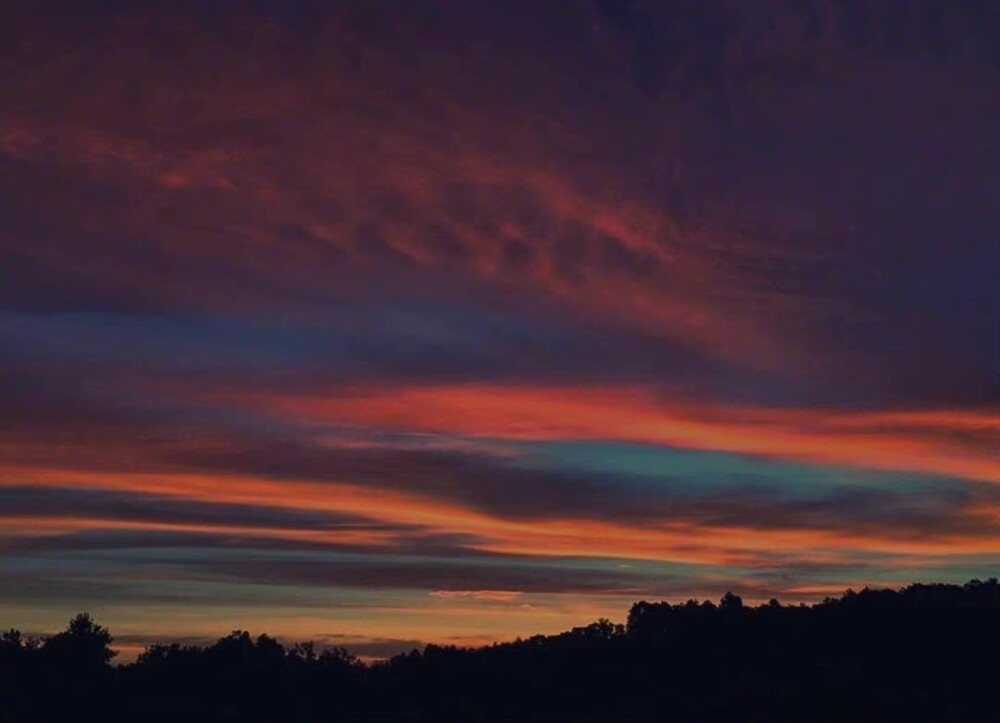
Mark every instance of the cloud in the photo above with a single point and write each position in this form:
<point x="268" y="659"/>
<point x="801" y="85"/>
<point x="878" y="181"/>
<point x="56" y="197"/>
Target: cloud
<point x="943" y="441"/>
<point x="419" y="185"/>
<point x="34" y="502"/>
<point x="503" y="596"/>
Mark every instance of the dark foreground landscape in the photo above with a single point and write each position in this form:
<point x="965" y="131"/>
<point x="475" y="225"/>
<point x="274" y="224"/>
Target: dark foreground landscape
<point x="924" y="653"/>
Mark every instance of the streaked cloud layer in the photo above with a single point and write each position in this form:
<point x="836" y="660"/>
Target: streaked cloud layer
<point x="396" y="322"/>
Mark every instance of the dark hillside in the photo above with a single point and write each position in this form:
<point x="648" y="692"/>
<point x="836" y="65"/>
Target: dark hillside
<point x="924" y="653"/>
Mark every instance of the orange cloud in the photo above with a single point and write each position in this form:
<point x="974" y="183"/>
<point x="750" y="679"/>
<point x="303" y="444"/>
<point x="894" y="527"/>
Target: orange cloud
<point x="489" y="595"/>
<point x="675" y="541"/>
<point x="957" y="443"/>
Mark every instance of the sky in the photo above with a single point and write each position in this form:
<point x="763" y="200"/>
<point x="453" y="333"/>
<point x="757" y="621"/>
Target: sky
<point x="385" y="323"/>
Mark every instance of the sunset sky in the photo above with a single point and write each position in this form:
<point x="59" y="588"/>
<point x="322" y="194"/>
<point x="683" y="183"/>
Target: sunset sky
<point x="380" y="323"/>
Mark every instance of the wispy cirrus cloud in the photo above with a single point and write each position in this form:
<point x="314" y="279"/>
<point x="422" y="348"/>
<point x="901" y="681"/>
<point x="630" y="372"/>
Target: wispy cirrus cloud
<point x="955" y="442"/>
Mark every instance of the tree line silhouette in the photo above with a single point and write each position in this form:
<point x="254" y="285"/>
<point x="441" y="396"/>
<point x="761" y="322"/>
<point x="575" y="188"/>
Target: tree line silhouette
<point x="923" y="653"/>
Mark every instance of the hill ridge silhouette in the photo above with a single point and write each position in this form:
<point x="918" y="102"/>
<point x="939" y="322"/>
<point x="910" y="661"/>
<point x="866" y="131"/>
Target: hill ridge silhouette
<point x="926" y="652"/>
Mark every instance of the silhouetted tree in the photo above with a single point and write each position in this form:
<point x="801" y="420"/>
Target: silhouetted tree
<point x="924" y="653"/>
<point x="84" y="645"/>
<point x="731" y="602"/>
<point x="70" y="672"/>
